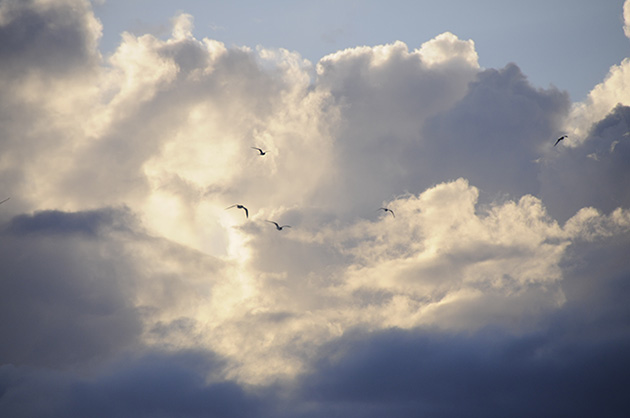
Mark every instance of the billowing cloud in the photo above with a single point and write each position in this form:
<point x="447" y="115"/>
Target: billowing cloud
<point x="79" y="286"/>
<point x="62" y="303"/>
<point x="129" y="289"/>
<point x="495" y="135"/>
<point x="600" y="101"/>
<point x="592" y="175"/>
<point x="613" y="91"/>
<point x="401" y="90"/>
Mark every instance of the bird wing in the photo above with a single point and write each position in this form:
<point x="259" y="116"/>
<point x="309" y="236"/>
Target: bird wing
<point x="285" y="226"/>
<point x="272" y="222"/>
<point x="5" y="200"/>
<point x="560" y="139"/>
<point x="246" y="212"/>
<point x="388" y="210"/>
<point x="230" y="207"/>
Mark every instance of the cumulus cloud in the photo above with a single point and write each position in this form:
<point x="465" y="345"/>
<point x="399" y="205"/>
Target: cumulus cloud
<point x="401" y="89"/>
<point x="592" y="175"/>
<point x="126" y="278"/>
<point x="495" y="134"/>
<point x="604" y="97"/>
<point x="80" y="287"/>
<point x="600" y="101"/>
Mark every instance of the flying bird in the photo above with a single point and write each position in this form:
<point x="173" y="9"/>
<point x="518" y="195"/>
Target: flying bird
<point x="388" y="210"/>
<point x="278" y="227"/>
<point x="261" y="152"/>
<point x="240" y="207"/>
<point x="560" y="139"/>
<point x="5" y="200"/>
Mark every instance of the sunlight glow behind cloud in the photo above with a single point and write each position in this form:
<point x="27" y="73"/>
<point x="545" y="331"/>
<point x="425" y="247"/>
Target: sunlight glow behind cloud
<point x="118" y="246"/>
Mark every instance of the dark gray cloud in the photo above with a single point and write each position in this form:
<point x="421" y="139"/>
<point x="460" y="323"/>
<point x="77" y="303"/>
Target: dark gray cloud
<point x="51" y="222"/>
<point x="33" y="392"/>
<point x="573" y="365"/>
<point x="163" y="385"/>
<point x="71" y="282"/>
<point x="63" y="296"/>
<point x="53" y="39"/>
<point x="398" y="373"/>
<point x="154" y="384"/>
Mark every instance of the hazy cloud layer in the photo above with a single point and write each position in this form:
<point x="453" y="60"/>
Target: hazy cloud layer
<point x="495" y="285"/>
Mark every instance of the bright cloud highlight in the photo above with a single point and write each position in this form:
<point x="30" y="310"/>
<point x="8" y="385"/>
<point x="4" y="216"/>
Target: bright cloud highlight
<point x="127" y="266"/>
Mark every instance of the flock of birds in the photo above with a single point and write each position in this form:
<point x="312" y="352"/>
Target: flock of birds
<point x="279" y="227"/>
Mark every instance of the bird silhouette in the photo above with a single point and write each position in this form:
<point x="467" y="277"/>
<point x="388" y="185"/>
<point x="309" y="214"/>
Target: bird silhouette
<point x="560" y="139"/>
<point x="278" y="227"/>
<point x="388" y="210"/>
<point x="240" y="207"/>
<point x="1" y="202"/>
<point x="261" y="152"/>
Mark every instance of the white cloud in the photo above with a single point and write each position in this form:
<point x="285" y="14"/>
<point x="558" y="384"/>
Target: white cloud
<point x="446" y="48"/>
<point x="165" y="129"/>
<point x="613" y="91"/>
<point x="441" y="250"/>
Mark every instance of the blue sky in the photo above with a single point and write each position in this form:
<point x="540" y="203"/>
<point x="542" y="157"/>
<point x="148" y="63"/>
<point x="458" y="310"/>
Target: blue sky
<point x="495" y="283"/>
<point x="570" y="44"/>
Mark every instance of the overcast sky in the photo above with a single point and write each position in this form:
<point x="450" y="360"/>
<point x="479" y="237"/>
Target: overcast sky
<point x="495" y="284"/>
